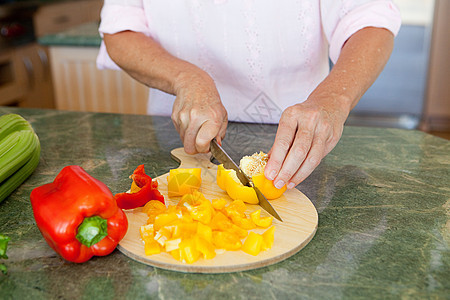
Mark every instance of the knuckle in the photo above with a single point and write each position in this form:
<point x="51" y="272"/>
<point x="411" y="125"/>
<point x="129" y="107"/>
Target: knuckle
<point x="284" y="143"/>
<point x="300" y="152"/>
<point x="314" y="161"/>
<point x="285" y="175"/>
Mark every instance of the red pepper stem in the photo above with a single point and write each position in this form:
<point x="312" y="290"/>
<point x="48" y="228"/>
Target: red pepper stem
<point x="92" y="230"/>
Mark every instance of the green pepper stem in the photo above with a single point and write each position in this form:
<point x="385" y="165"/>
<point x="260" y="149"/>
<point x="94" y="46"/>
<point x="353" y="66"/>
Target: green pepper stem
<point x="92" y="230"/>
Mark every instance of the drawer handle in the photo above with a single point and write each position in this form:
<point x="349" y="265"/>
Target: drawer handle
<point x="29" y="68"/>
<point x="44" y="60"/>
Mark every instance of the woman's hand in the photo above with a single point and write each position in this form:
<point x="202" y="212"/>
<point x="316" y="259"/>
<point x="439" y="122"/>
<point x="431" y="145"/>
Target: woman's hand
<point x="198" y="113"/>
<point x="306" y="133"/>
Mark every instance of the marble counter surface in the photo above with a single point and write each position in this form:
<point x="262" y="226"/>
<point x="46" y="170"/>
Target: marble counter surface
<point x="383" y="198"/>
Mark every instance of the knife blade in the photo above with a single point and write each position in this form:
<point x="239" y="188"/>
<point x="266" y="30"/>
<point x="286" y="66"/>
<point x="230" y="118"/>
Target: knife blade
<point x="222" y="156"/>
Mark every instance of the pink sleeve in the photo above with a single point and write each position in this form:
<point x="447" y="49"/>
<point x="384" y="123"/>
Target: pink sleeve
<point x="342" y="18"/>
<point x="117" y="16"/>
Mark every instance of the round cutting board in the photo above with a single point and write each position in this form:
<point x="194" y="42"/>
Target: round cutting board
<point x="299" y="225"/>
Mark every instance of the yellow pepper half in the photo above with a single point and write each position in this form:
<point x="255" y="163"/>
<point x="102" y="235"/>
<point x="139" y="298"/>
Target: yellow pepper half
<point x="228" y="181"/>
<point x="183" y="181"/>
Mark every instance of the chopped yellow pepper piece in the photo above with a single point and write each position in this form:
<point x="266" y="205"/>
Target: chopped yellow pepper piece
<point x="205" y="247"/>
<point x="268" y="238"/>
<point x="196" y="227"/>
<point x="253" y="243"/>
<point x="226" y="240"/>
<point x="183" y="181"/>
<point x="188" y="250"/>
<point x="261" y="222"/>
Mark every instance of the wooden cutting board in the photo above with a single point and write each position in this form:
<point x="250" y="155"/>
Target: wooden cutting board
<point x="299" y="225"/>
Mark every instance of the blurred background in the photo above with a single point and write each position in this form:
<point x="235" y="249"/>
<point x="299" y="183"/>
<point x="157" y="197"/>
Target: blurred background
<point x="48" y="50"/>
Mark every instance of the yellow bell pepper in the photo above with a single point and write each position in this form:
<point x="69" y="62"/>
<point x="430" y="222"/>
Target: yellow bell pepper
<point x="172" y="244"/>
<point x="198" y="206"/>
<point x="220" y="222"/>
<point x="268" y="238"/>
<point x="183" y="181"/>
<point x="243" y="222"/>
<point x="182" y="229"/>
<point x="226" y="240"/>
<point x="188" y="251"/>
<point x="261" y="222"/>
<point x="152" y="247"/>
<point x="228" y="181"/>
<point x="253" y="243"/>
<point x="267" y="187"/>
<point x="163" y="219"/>
<point x="205" y="247"/>
<point x="219" y="204"/>
<point x="204" y="231"/>
<point x="147" y="231"/>
<point x="240" y="232"/>
<point x="152" y="209"/>
<point x="134" y="188"/>
<point x="196" y="227"/>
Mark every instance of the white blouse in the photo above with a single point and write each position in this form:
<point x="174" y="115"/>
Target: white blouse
<point x="264" y="56"/>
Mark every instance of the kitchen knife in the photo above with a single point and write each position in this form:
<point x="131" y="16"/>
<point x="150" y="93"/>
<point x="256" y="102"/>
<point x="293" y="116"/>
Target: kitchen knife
<point x="228" y="163"/>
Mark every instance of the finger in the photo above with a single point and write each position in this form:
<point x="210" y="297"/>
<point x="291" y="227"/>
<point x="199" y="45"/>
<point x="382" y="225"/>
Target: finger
<point x="283" y="140"/>
<point x="312" y="160"/>
<point x="295" y="157"/>
<point x="222" y="131"/>
<point x="208" y="130"/>
<point x="180" y="119"/>
<point x="189" y="138"/>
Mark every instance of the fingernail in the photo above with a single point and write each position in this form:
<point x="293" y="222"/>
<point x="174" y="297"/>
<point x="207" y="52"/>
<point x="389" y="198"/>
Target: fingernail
<point x="291" y="185"/>
<point x="279" y="184"/>
<point x="272" y="175"/>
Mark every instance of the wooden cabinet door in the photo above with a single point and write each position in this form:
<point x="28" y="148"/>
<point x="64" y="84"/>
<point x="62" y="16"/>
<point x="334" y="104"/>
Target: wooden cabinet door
<point x="38" y="78"/>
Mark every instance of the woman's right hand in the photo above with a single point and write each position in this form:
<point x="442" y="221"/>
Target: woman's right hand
<point x="198" y="113"/>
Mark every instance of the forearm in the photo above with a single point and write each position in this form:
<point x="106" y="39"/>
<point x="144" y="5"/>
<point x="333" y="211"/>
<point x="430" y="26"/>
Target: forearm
<point x="362" y="59"/>
<point x="149" y="63"/>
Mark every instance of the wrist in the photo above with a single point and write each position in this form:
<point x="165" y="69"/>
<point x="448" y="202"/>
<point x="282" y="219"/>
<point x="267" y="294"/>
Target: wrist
<point x="189" y="77"/>
<point x="338" y="102"/>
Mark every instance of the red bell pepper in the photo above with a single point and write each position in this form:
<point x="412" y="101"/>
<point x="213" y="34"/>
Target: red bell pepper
<point x="78" y="216"/>
<point x="148" y="190"/>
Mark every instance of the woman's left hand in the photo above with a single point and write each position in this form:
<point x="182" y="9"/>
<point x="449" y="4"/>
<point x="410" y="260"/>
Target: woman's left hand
<point x="306" y="133"/>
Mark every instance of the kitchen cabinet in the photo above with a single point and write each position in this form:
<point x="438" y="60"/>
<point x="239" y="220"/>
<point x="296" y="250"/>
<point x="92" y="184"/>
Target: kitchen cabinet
<point x="80" y="86"/>
<point x="25" y="78"/>
<point x="56" y="17"/>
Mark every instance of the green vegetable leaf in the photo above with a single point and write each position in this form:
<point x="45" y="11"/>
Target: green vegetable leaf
<point x="3" y="245"/>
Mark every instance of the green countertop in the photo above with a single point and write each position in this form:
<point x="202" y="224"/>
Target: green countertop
<point x="84" y="35"/>
<point x="383" y="198"/>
